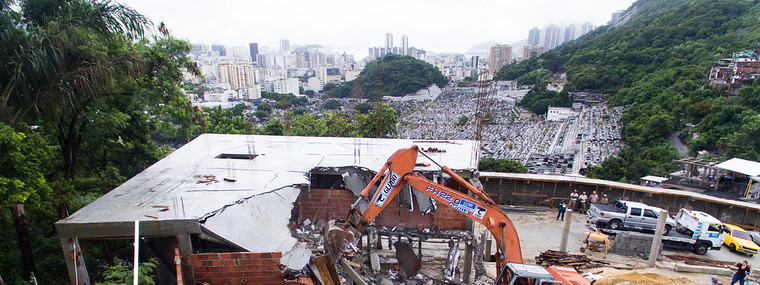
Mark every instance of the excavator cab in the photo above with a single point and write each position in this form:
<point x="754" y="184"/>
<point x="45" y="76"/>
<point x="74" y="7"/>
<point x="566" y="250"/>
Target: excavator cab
<point x="526" y="274"/>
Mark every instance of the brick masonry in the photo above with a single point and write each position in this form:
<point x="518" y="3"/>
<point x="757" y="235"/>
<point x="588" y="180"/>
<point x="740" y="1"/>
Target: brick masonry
<point x="241" y="268"/>
<point x="330" y="204"/>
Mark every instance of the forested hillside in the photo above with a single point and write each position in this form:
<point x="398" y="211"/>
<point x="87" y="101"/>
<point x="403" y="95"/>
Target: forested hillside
<point x="657" y="65"/>
<point x="392" y="75"/>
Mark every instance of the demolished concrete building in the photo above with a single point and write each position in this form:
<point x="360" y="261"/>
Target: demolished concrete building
<point x="233" y="195"/>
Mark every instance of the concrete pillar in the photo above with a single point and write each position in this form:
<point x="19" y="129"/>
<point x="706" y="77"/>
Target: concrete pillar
<point x="566" y="230"/>
<point x="185" y="246"/>
<point x="657" y="242"/>
<point x="468" y="249"/>
<point x="72" y="253"/>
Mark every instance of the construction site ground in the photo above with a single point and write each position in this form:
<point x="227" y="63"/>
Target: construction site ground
<point x="539" y="231"/>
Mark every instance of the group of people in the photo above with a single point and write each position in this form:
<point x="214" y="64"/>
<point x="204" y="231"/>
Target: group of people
<point x="580" y="202"/>
<point x="741" y="275"/>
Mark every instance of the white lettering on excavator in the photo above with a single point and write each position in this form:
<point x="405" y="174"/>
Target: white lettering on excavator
<point x="462" y="205"/>
<point x="386" y="190"/>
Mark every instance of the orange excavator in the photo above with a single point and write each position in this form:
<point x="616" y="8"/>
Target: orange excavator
<point x="398" y="172"/>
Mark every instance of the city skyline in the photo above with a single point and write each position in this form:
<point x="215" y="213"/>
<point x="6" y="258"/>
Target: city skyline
<point x="342" y="26"/>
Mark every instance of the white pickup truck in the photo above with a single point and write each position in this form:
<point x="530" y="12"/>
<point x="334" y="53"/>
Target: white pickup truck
<point x="620" y="215"/>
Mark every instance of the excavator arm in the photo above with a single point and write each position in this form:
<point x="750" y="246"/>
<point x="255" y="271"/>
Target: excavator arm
<point x="398" y="171"/>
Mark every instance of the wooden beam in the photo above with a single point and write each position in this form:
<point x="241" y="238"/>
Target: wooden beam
<point x="348" y="269"/>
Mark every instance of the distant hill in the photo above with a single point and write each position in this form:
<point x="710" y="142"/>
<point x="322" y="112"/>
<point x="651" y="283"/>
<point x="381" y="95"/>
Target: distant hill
<point x="656" y="64"/>
<point x="481" y="49"/>
<point x="400" y="75"/>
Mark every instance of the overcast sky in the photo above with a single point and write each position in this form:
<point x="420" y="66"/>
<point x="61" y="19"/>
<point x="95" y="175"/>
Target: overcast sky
<point x="355" y="25"/>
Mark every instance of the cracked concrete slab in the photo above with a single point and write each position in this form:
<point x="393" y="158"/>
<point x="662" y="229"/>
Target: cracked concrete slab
<point x="212" y="182"/>
<point x="258" y="223"/>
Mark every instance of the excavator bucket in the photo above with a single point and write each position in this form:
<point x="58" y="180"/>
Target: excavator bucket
<point x="337" y="236"/>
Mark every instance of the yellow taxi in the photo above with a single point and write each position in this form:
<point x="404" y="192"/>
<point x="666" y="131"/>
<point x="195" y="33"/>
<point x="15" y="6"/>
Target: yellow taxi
<point x="737" y="239"/>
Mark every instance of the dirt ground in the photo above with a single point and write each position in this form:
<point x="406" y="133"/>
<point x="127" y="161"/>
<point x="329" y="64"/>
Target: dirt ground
<point x="539" y="231"/>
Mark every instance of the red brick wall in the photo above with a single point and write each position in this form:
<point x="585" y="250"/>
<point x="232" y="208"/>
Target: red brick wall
<point x="238" y="268"/>
<point x="327" y="204"/>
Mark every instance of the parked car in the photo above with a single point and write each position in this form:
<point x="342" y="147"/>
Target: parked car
<point x="620" y="215"/>
<point x="755" y="235"/>
<point x="737" y="239"/>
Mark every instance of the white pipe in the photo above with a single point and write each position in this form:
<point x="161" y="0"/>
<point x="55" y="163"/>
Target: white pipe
<point x="76" y="270"/>
<point x="137" y="248"/>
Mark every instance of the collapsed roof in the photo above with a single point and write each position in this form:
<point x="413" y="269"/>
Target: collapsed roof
<point x="238" y="189"/>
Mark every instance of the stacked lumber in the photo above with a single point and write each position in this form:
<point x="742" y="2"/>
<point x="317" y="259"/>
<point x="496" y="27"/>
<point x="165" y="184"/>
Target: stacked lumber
<point x="579" y="262"/>
<point x="699" y="260"/>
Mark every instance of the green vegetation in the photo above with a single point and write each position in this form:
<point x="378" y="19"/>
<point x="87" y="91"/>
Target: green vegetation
<point x="467" y="81"/>
<point x="88" y="100"/>
<point x="462" y="121"/>
<point x="400" y="75"/>
<point x="657" y="64"/>
<point x="120" y="274"/>
<point x="331" y="104"/>
<point x="538" y="99"/>
<point x="501" y="165"/>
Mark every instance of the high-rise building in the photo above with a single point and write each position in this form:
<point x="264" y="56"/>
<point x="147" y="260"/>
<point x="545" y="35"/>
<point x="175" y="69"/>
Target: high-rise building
<point x="532" y="50"/>
<point x="474" y="61"/>
<point x="388" y="42"/>
<point x="587" y="27"/>
<point x="254" y="50"/>
<point x="219" y="49"/>
<point x="569" y="33"/>
<point x="551" y="37"/>
<point x="301" y="60"/>
<point x="237" y="74"/>
<point x="500" y="55"/>
<point x="404" y="45"/>
<point x="534" y="36"/>
<point x="284" y="45"/>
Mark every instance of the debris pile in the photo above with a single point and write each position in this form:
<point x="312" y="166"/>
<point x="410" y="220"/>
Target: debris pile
<point x="579" y="262"/>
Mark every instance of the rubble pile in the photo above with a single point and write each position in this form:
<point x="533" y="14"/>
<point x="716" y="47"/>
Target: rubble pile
<point x="384" y="256"/>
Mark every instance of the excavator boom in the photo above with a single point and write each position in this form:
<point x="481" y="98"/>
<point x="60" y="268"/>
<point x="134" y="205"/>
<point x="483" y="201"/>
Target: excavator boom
<point x="399" y="172"/>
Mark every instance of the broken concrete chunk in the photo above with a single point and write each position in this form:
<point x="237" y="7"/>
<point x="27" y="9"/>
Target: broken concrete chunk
<point x="297" y="257"/>
<point x="374" y="261"/>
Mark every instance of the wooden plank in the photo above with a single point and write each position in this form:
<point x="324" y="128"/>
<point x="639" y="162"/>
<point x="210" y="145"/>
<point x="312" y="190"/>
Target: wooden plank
<point x="315" y="272"/>
<point x="326" y="267"/>
<point x="351" y="272"/>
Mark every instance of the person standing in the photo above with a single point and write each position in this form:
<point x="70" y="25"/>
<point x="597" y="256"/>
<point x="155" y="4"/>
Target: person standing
<point x="574" y="200"/>
<point x="562" y="209"/>
<point x="742" y="271"/>
<point x="594" y="198"/>
<point x="604" y="199"/>
<point x="582" y="199"/>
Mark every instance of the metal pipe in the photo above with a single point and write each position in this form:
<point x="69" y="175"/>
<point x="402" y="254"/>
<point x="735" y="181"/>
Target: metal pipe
<point x="137" y="248"/>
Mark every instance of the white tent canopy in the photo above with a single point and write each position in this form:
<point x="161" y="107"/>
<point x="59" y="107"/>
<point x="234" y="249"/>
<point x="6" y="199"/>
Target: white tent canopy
<point x="738" y="165"/>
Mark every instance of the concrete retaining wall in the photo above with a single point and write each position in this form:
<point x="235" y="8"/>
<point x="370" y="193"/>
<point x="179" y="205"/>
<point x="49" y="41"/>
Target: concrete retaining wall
<point x="522" y="189"/>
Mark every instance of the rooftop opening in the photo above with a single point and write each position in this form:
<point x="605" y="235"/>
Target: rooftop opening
<point x="248" y="156"/>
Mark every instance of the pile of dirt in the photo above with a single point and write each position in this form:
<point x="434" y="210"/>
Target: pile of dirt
<point x="635" y="278"/>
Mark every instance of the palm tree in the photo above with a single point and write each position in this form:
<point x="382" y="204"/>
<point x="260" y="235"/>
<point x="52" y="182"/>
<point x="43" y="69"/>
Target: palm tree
<point x="59" y="57"/>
